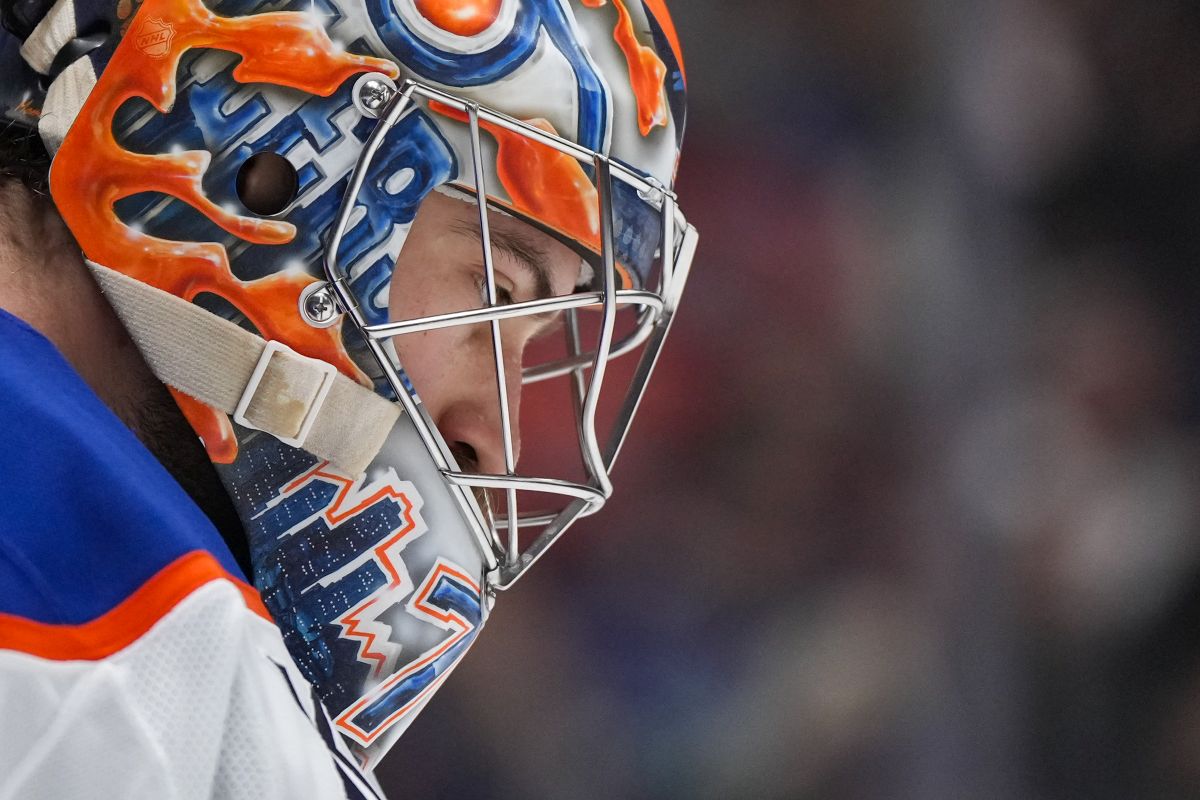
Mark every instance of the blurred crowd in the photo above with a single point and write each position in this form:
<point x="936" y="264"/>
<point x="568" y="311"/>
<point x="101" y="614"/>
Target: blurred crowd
<point x="911" y="508"/>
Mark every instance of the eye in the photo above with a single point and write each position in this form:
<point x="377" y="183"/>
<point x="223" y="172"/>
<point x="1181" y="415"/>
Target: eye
<point x="503" y="296"/>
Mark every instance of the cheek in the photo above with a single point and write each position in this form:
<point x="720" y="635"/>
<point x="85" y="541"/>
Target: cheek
<point x="422" y="297"/>
<point x="412" y="294"/>
<point x="516" y="334"/>
<point x="450" y="364"/>
<point x="431" y="360"/>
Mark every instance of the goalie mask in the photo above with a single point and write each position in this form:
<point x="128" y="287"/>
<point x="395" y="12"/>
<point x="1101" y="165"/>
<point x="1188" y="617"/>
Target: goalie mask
<point x="383" y="252"/>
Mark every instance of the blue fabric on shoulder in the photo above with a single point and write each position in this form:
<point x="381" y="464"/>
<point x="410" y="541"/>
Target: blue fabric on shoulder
<point x="87" y="514"/>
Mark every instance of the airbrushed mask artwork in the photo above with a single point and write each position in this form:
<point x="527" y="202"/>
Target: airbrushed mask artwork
<point x="316" y="217"/>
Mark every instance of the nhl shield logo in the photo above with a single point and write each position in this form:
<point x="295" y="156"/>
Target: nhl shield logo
<point x="154" y="37"/>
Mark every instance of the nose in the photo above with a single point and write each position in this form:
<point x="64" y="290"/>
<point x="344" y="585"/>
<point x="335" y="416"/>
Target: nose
<point x="470" y="419"/>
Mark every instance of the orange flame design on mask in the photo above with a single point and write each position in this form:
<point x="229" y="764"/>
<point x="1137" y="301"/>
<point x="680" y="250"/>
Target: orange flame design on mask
<point x="460" y="17"/>
<point x="543" y="183"/>
<point x="646" y="69"/>
<point x="91" y="172"/>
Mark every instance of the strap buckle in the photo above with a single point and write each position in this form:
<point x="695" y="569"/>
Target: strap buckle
<point x="328" y="373"/>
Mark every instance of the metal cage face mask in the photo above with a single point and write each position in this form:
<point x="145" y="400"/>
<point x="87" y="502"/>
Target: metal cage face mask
<point x="538" y="121"/>
<point x="634" y="250"/>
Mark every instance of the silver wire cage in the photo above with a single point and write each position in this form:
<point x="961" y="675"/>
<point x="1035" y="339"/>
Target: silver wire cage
<point x="499" y="535"/>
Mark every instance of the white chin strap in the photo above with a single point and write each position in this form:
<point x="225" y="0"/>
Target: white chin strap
<point x="265" y="385"/>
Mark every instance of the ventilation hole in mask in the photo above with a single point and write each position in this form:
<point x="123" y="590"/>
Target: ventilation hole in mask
<point x="267" y="183"/>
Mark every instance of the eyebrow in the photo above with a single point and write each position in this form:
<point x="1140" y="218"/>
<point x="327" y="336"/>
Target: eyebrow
<point x="528" y="255"/>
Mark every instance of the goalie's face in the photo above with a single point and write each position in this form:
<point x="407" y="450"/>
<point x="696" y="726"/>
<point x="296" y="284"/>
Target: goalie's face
<point x="440" y="270"/>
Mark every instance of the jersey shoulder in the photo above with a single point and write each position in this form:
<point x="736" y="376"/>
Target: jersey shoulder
<point x="131" y="647"/>
<point x="88" y="517"/>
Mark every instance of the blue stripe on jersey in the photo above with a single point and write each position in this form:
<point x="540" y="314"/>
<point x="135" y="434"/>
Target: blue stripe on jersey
<point x="87" y="514"/>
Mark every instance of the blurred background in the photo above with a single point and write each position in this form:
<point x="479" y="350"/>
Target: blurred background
<point x="911" y="508"/>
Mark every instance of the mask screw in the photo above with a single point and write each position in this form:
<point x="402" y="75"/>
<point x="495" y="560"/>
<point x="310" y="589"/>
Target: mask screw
<point x="372" y="93"/>
<point x="319" y="306"/>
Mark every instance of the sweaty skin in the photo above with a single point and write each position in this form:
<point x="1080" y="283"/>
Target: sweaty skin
<point x="453" y="369"/>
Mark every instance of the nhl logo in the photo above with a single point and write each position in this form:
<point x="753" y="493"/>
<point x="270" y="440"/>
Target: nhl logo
<point x="154" y="37"/>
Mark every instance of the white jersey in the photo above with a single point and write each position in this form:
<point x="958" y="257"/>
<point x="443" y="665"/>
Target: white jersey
<point x="135" y="661"/>
<point x="205" y="704"/>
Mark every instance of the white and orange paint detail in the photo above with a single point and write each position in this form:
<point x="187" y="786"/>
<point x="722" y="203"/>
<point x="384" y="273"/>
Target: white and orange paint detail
<point x="646" y="69"/>
<point x="460" y="17"/>
<point x="420" y="607"/>
<point x="359" y="623"/>
<point x="368" y="632"/>
<point x="348" y="503"/>
<point x="543" y="183"/>
<point x="92" y="172"/>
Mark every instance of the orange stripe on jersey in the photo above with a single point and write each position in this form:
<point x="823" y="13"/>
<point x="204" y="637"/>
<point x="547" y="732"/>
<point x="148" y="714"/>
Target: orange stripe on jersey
<point x="659" y="9"/>
<point x="128" y="620"/>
